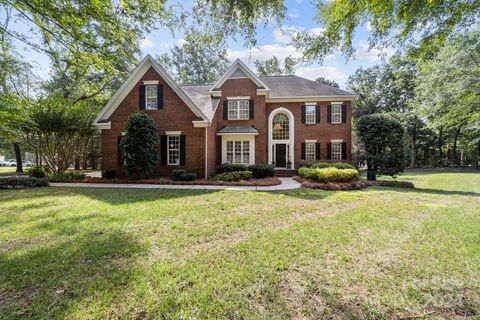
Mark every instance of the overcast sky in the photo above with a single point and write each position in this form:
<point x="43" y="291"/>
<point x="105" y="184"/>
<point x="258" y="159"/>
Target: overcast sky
<point x="271" y="41"/>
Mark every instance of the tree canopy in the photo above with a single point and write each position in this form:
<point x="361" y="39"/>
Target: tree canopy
<point x="328" y="82"/>
<point x="274" y="66"/>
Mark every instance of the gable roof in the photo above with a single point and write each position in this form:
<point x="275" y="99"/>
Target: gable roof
<point x="201" y="97"/>
<point x="133" y="79"/>
<point x="294" y="86"/>
<point x="238" y="65"/>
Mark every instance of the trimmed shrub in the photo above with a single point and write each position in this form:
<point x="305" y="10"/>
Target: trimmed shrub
<point x="230" y="167"/>
<point x="67" y="176"/>
<point x="338" y="165"/>
<point x="329" y="174"/>
<point x="22" y="182"/>
<point x="234" y="176"/>
<point x="109" y="174"/>
<point x="177" y="173"/>
<point x="260" y="171"/>
<point x="36" y="172"/>
<point x="187" y="176"/>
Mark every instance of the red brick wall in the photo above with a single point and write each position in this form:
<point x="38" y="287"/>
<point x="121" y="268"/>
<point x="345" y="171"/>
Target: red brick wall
<point x="175" y="116"/>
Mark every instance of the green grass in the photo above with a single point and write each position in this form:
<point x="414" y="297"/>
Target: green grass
<point x="8" y="169"/>
<point x="182" y="254"/>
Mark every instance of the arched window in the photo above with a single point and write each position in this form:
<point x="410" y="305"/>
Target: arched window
<point x="280" y="127"/>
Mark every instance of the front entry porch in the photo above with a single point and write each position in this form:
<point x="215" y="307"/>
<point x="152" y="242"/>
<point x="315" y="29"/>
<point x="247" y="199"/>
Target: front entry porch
<point x="281" y="155"/>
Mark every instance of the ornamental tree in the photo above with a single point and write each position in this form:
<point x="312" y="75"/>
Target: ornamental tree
<point x="139" y="145"/>
<point x="381" y="145"/>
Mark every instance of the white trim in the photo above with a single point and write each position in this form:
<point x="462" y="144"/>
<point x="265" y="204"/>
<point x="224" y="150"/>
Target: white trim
<point x="179" y="148"/>
<point x="206" y="152"/>
<point x="308" y="99"/>
<point x="173" y="133"/>
<point x="236" y="133"/>
<point x="124" y="133"/>
<point x="216" y="94"/>
<point x="310" y="103"/>
<point x="239" y="98"/>
<point x="263" y="92"/>
<point x="290" y="142"/>
<point x="336" y="140"/>
<point x="200" y="123"/>
<point x="238" y="137"/>
<point x="310" y="141"/>
<point x="148" y="82"/>
<point x="336" y="106"/>
<point x="103" y="125"/>
<point x="238" y="64"/>
<point x="134" y="78"/>
<point x="314" y="121"/>
<point x="336" y="102"/>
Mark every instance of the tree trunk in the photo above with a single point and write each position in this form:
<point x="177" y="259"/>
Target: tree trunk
<point x="439" y="145"/>
<point x="454" y="148"/>
<point x="18" y="156"/>
<point x="77" y="164"/>
<point x="37" y="160"/>
<point x="371" y="171"/>
<point x="413" y="160"/>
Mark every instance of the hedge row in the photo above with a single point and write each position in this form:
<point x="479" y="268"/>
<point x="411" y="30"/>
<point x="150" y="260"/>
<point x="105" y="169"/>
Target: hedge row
<point x="338" y="165"/>
<point x="329" y="174"/>
<point x="22" y="182"/>
<point x="258" y="171"/>
<point x="234" y="176"/>
<point x="66" y="176"/>
<point x="183" y="175"/>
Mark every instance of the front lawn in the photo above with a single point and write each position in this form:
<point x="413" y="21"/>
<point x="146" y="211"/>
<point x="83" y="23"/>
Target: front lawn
<point x="192" y="254"/>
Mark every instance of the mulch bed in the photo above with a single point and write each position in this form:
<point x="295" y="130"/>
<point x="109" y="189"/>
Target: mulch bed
<point x="271" y="181"/>
<point x="353" y="185"/>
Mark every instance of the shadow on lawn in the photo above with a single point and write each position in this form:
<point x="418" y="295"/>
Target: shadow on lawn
<point x="44" y="280"/>
<point x="441" y="192"/>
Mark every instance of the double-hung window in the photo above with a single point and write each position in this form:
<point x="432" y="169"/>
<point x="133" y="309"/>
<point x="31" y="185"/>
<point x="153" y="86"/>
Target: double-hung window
<point x="238" y="151"/>
<point x="336" y="152"/>
<point x="238" y="110"/>
<point x="336" y="113"/>
<point x="310" y="116"/>
<point x="151" y="97"/>
<point x="310" y="151"/>
<point x="173" y="150"/>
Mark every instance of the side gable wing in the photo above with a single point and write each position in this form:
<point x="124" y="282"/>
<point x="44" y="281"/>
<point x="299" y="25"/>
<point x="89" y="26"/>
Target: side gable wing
<point x="233" y="70"/>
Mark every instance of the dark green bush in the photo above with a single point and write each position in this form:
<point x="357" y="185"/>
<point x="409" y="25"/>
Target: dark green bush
<point x="22" y="182"/>
<point x="329" y="174"/>
<point x="230" y="167"/>
<point x="36" y="172"/>
<point x="234" y="176"/>
<point x="66" y="176"/>
<point x="338" y="165"/>
<point x="109" y="174"/>
<point x="260" y="171"/>
<point x="187" y="176"/>
<point x="177" y="173"/>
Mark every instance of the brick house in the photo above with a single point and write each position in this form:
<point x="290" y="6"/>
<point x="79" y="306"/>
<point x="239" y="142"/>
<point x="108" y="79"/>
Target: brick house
<point x="242" y="118"/>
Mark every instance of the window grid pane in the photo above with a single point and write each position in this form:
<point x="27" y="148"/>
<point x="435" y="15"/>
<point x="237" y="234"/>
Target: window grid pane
<point x="280" y="126"/>
<point x="173" y="145"/>
<point x="336" y="113"/>
<point x="310" y="151"/>
<point x="336" y="151"/>
<point x="310" y="114"/>
<point x="238" y="110"/>
<point x="246" y="151"/>
<point x="238" y="152"/>
<point x="151" y="97"/>
<point x="230" y="151"/>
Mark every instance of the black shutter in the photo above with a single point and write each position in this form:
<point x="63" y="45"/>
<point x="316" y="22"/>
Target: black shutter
<point x="250" y="109"/>
<point x="304" y="108"/>
<point x="317" y="151"/>
<point x="344" y="113"/>
<point x="163" y="150"/>
<point x="344" y="151"/>
<point x="317" y="114"/>
<point x="141" y="97"/>
<point x="159" y="96"/>
<point x="329" y="151"/>
<point x="182" y="150"/>
<point x="225" y="110"/>
<point x="303" y="151"/>
<point x="119" y="151"/>
<point x="329" y="113"/>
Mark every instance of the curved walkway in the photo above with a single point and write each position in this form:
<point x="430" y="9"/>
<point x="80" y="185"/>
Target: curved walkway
<point x="287" y="184"/>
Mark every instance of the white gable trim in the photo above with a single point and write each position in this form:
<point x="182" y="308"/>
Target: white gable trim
<point x="134" y="78"/>
<point x="238" y="64"/>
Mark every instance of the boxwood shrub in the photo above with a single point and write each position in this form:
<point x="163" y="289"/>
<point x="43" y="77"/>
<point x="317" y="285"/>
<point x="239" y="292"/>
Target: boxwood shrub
<point x="338" y="165"/>
<point x="22" y="182"/>
<point x="260" y="171"/>
<point x="66" y="176"/>
<point x="234" y="176"/>
<point x="183" y="175"/>
<point x="36" y="172"/>
<point x="230" y="167"/>
<point x="329" y="174"/>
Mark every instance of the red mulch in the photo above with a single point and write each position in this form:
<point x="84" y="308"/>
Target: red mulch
<point x="271" y="181"/>
<point x="353" y="185"/>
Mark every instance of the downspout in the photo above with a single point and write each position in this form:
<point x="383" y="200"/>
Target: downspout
<point x="206" y="152"/>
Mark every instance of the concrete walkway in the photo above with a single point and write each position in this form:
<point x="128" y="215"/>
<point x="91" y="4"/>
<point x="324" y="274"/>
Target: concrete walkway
<point x="287" y="184"/>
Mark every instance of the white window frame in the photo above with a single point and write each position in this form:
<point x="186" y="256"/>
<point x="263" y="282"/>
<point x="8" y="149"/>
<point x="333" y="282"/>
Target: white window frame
<point x="239" y="137"/>
<point x="310" y="114"/>
<point x="244" y="153"/>
<point x="311" y="152"/>
<point x="177" y="162"/>
<point x="236" y="104"/>
<point x="336" y="114"/>
<point x="151" y="97"/>
<point x="336" y="153"/>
